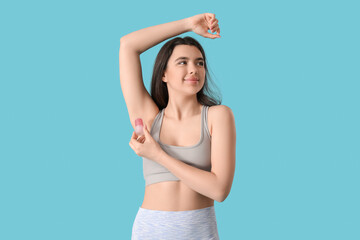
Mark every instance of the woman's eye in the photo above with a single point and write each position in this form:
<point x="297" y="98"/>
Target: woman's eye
<point x="201" y="63"/>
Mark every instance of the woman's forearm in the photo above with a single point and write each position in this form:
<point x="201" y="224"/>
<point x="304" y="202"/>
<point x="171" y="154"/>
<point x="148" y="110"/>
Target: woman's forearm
<point x="146" y="38"/>
<point x="201" y="181"/>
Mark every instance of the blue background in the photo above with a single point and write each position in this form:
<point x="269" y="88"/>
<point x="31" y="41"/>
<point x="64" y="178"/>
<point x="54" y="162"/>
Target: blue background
<point x="289" y="70"/>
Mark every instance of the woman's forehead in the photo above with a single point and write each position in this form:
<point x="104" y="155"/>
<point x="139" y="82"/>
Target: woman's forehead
<point x="191" y="52"/>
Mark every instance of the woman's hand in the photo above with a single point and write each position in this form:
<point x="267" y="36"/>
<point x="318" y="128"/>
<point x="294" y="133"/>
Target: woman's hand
<point x="201" y="23"/>
<point x="145" y="146"/>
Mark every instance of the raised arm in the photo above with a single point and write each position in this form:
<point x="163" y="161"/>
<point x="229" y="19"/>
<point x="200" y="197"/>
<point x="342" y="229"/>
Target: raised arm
<point x="141" y="40"/>
<point x="138" y="101"/>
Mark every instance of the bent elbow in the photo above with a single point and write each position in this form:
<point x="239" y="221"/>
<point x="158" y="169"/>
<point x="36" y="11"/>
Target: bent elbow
<point x="223" y="196"/>
<point x="221" y="199"/>
<point x="124" y="42"/>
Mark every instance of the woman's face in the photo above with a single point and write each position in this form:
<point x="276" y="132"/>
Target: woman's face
<point x="185" y="70"/>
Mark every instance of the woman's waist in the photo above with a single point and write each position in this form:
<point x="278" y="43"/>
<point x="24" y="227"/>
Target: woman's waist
<point x="174" y="196"/>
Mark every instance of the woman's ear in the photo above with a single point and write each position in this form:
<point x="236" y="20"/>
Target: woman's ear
<point x="164" y="78"/>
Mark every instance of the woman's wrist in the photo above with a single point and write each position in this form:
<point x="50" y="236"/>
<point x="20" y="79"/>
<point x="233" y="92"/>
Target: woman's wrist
<point x="161" y="156"/>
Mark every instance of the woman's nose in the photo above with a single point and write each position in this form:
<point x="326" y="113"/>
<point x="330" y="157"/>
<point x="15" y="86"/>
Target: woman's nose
<point x="193" y="68"/>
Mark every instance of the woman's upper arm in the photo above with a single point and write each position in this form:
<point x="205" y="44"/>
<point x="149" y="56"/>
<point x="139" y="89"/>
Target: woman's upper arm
<point x="138" y="101"/>
<point x="223" y="147"/>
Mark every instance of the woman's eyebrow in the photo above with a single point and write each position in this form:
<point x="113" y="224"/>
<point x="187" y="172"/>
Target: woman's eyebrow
<point x="186" y="58"/>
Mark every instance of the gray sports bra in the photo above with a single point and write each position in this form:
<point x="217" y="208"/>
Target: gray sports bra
<point x="198" y="155"/>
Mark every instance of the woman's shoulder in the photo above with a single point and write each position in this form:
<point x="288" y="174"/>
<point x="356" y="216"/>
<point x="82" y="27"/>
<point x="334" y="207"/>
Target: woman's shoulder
<point x="220" y="112"/>
<point x="220" y="109"/>
<point x="219" y="115"/>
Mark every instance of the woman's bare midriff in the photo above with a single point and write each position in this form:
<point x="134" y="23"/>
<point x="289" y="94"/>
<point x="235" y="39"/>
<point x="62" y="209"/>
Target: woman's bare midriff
<point x="174" y="196"/>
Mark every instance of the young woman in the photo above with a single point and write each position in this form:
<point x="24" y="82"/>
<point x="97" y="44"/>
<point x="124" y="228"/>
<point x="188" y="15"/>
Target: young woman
<point x="189" y="151"/>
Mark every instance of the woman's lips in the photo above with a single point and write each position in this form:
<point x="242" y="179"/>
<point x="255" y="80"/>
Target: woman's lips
<point x="192" y="79"/>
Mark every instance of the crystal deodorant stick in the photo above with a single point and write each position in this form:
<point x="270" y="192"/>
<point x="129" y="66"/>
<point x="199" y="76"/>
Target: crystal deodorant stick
<point x="139" y="127"/>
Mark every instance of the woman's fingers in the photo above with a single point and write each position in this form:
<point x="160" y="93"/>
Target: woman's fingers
<point x="141" y="139"/>
<point x="214" y="26"/>
<point x="131" y="145"/>
<point x="134" y="136"/>
<point x="202" y="23"/>
<point x="214" y="22"/>
<point x="215" y="29"/>
<point x="210" y="19"/>
<point x="137" y="138"/>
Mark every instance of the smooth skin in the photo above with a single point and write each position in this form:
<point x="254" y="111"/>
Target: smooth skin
<point x="181" y="124"/>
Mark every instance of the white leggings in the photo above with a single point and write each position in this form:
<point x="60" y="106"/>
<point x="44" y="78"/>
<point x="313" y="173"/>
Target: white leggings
<point x="199" y="224"/>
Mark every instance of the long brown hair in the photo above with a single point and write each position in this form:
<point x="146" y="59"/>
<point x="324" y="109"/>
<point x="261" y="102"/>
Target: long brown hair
<point x="159" y="92"/>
